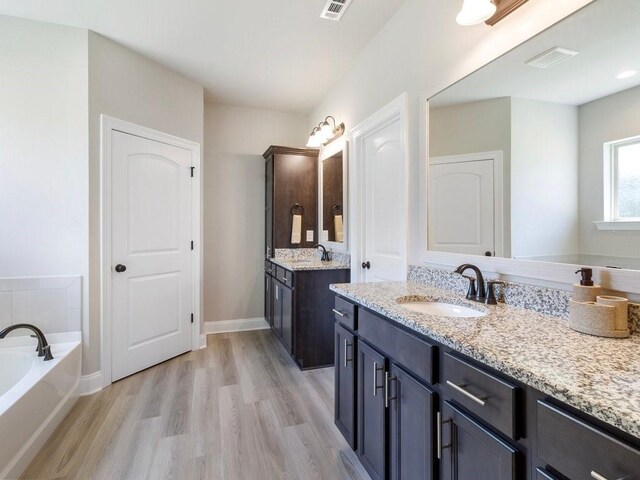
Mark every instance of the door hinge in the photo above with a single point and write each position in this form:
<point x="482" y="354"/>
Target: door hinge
<point x="192" y="318"/>
<point x="191" y="244"/>
<point x="192" y="169"/>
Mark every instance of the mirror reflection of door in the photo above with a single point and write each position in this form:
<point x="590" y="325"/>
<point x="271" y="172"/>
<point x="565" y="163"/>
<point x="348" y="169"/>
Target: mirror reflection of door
<point x="461" y="205"/>
<point x="332" y="199"/>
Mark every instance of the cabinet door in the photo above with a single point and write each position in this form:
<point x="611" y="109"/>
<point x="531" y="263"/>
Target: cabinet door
<point x="277" y="307"/>
<point x="287" y="318"/>
<point x="345" y="384"/>
<point x="472" y="452"/>
<point x="411" y="427"/>
<point x="372" y="427"/>
<point x="268" y="299"/>
<point x="268" y="210"/>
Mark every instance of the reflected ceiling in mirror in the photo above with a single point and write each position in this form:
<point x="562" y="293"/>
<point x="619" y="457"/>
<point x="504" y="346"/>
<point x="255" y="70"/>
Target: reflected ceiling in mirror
<point x="537" y="163"/>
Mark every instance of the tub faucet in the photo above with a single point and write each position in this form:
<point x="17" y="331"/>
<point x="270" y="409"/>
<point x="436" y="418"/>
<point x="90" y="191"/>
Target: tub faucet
<point x="472" y="294"/>
<point x="325" y="254"/>
<point x="44" y="349"/>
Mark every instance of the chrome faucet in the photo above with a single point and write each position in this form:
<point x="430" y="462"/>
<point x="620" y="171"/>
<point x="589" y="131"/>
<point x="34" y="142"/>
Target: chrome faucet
<point x="44" y="349"/>
<point x="478" y="294"/>
<point x="325" y="254"/>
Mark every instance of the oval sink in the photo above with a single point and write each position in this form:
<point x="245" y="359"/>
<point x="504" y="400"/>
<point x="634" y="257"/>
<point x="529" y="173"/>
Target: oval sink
<point x="442" y="309"/>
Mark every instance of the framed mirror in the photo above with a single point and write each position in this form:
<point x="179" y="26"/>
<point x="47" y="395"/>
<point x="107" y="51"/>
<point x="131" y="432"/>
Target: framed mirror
<point x="536" y="156"/>
<point x="332" y="201"/>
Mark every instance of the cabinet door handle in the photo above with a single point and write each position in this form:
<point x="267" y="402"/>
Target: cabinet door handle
<point x="595" y="475"/>
<point x="376" y="369"/>
<point x="338" y="312"/>
<point x="387" y="380"/>
<point x="460" y="388"/>
<point x="439" y="424"/>
<point x="276" y="292"/>
<point x="346" y="352"/>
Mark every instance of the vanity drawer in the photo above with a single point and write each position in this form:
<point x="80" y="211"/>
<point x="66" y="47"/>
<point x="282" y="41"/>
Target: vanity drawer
<point x="345" y="313"/>
<point x="487" y="396"/>
<point x="285" y="276"/>
<point x="269" y="267"/>
<point x="579" y="450"/>
<point x="408" y="350"/>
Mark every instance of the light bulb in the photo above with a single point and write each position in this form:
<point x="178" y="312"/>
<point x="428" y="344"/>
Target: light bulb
<point x="326" y="130"/>
<point x="475" y="11"/>
<point x="314" y="140"/>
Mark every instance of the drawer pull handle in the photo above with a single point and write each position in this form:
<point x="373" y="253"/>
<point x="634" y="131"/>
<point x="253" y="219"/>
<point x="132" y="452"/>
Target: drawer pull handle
<point x="387" y="380"/>
<point x="346" y="352"/>
<point x="460" y="388"/>
<point x="439" y="424"/>
<point x="376" y="369"/>
<point x="338" y="312"/>
<point x="595" y="475"/>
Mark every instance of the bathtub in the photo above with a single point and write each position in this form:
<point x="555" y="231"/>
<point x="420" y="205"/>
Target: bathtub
<point x="34" y="395"/>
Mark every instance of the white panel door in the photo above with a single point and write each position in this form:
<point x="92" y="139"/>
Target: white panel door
<point x="151" y="239"/>
<point x="461" y="207"/>
<point x="385" y="203"/>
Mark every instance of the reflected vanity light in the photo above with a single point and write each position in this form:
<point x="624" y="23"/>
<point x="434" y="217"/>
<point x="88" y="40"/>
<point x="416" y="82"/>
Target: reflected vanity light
<point x="474" y="12"/>
<point x="627" y="74"/>
<point x="325" y="133"/>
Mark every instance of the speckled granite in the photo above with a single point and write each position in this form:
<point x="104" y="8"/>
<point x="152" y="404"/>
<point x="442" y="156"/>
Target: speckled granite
<point x="549" y="301"/>
<point x="597" y="375"/>
<point x="309" y="259"/>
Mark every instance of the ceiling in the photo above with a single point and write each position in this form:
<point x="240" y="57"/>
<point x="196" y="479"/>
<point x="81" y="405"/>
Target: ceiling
<point x="607" y="35"/>
<point x="275" y="54"/>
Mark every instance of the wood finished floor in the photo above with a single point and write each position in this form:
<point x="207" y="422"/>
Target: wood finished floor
<point x="238" y="409"/>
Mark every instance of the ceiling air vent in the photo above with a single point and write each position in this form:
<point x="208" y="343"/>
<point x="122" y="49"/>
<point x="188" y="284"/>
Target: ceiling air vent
<point x="552" y="57"/>
<point x="334" y="9"/>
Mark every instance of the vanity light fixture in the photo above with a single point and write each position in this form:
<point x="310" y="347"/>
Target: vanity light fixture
<point x="627" y="74"/>
<point x="325" y="133"/>
<point x="489" y="11"/>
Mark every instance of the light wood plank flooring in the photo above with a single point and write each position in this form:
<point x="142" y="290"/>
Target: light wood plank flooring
<point x="238" y="409"/>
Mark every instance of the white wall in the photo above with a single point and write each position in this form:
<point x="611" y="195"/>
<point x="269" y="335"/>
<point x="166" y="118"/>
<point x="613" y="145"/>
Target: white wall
<point x="544" y="178"/>
<point x="610" y="118"/>
<point x="421" y="50"/>
<point x="128" y="86"/>
<point x="43" y="149"/>
<point x="234" y="180"/>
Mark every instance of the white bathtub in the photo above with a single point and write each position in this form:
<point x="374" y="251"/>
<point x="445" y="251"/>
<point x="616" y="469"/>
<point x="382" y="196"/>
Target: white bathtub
<point x="34" y="395"/>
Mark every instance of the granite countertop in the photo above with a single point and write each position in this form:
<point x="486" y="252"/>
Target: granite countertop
<point x="296" y="264"/>
<point x="599" y="376"/>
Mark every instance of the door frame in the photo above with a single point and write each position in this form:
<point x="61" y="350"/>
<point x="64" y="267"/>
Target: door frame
<point x="108" y="125"/>
<point x="395" y="110"/>
<point x="497" y="156"/>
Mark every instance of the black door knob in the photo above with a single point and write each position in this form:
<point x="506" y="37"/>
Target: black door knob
<point x="488" y="253"/>
<point x="120" y="268"/>
<point x="366" y="265"/>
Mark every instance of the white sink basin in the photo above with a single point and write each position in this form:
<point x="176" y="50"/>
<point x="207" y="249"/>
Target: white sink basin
<point x="443" y="309"/>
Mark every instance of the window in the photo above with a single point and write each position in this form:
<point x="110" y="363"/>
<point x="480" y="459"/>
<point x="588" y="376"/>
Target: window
<point x="621" y="185"/>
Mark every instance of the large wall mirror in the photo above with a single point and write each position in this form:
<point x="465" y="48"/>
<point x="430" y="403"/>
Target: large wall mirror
<point x="536" y="156"/>
<point x="333" y="195"/>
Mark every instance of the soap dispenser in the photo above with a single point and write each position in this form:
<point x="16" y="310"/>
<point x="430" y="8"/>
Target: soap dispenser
<point x="586" y="291"/>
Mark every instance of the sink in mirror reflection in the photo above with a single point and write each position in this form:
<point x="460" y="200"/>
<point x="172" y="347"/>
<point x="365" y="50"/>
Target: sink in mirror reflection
<point x="441" y="309"/>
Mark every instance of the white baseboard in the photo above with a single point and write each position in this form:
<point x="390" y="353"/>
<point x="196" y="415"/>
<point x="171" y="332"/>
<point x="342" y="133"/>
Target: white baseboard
<point x="90" y="384"/>
<point x="240" y="325"/>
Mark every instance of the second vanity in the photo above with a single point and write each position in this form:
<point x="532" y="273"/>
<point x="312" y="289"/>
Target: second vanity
<point x="510" y="394"/>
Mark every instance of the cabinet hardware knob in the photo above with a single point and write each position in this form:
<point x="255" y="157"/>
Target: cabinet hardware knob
<point x="439" y="424"/>
<point x="460" y="388"/>
<point x="346" y="352"/>
<point x="338" y="312"/>
<point x="595" y="475"/>
<point x="387" y="380"/>
<point x="376" y="369"/>
<point x="120" y="268"/>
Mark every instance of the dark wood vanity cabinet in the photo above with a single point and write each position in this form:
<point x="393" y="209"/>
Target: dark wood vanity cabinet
<point x="425" y="411"/>
<point x="299" y="312"/>
<point x="291" y="180"/>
